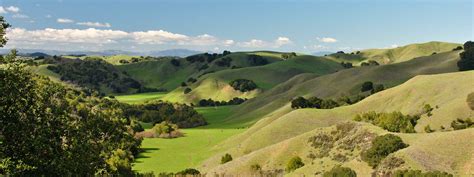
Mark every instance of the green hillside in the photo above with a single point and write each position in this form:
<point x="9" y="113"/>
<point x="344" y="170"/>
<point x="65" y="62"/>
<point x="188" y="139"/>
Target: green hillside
<point x="343" y="83"/>
<point x="163" y="74"/>
<point x="274" y="139"/>
<point x="216" y="85"/>
<point x="394" y="55"/>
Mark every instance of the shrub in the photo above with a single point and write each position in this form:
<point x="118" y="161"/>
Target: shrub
<point x="166" y="130"/>
<point x="187" y="90"/>
<point x="370" y="63"/>
<point x="415" y="173"/>
<point x="428" y="129"/>
<point x="467" y="57"/>
<point x="377" y="88"/>
<point x="183" y="84"/>
<point x="192" y="80"/>
<point x="294" y="164"/>
<point x="394" y="121"/>
<point x="189" y="171"/>
<point x="427" y="109"/>
<point x="339" y="171"/>
<point x="300" y="102"/>
<point x="457" y="48"/>
<point x="257" y="60"/>
<point x="459" y="124"/>
<point x="255" y="167"/>
<point x="346" y="64"/>
<point x="175" y="62"/>
<point x="366" y="86"/>
<point x="210" y="102"/>
<point x="226" y="158"/>
<point x="382" y="146"/>
<point x="243" y="85"/>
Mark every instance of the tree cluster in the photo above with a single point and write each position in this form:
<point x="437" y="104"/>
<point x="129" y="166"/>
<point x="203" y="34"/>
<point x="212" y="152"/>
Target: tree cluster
<point x="459" y="124"/>
<point x="210" y="102"/>
<point x="257" y="60"/>
<point x="467" y="57"/>
<point x="156" y="112"/>
<point x="288" y="55"/>
<point x="370" y="86"/>
<point x="381" y="147"/>
<point x="224" y="62"/>
<point x="243" y="85"/>
<point x="346" y="64"/>
<point x="393" y="122"/>
<point x="313" y="102"/>
<point x="370" y="63"/>
<point x="94" y="73"/>
<point x="45" y="129"/>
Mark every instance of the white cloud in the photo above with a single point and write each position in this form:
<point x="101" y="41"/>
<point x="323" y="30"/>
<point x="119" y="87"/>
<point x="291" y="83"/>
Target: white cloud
<point x="327" y="40"/>
<point x="13" y="9"/>
<point x="157" y="37"/>
<point x="256" y="43"/>
<point x="282" y="41"/>
<point x="91" y="35"/>
<point x="2" y="10"/>
<point x="229" y="42"/>
<point x="95" y="24"/>
<point x="23" y="16"/>
<point x="64" y="20"/>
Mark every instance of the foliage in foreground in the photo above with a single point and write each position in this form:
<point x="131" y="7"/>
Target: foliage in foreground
<point x="294" y="164"/>
<point x="393" y="122"/>
<point x="339" y="171"/>
<point x="49" y="130"/>
<point x="381" y="147"/>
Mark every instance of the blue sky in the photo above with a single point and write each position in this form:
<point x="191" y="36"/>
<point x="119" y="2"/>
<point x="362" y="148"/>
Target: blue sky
<point x="215" y="25"/>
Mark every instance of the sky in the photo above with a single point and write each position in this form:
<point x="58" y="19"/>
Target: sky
<point x="237" y="25"/>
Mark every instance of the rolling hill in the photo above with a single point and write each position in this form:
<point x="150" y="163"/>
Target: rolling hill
<point x="394" y="55"/>
<point x="274" y="139"/>
<point x="216" y="85"/>
<point x="343" y="83"/>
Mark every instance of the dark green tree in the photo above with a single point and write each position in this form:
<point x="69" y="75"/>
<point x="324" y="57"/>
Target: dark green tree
<point x="381" y="147"/>
<point x="339" y="171"/>
<point x="226" y="158"/>
<point x="294" y="164"/>
<point x="467" y="57"/>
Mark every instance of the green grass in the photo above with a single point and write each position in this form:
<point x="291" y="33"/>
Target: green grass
<point x="140" y="97"/>
<point x="198" y="144"/>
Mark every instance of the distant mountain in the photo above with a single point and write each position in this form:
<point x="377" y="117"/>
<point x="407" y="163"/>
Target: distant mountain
<point x="171" y="52"/>
<point x="174" y="52"/>
<point x="322" y="53"/>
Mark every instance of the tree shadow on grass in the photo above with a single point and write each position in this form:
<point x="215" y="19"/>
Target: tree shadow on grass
<point x="145" y="150"/>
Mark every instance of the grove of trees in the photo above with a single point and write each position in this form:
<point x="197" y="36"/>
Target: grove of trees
<point x="393" y="122"/>
<point x="243" y="85"/>
<point x="467" y="57"/>
<point x="313" y="102"/>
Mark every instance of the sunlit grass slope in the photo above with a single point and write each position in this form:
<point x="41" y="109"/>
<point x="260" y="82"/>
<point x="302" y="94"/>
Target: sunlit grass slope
<point x="273" y="140"/>
<point x="395" y="55"/>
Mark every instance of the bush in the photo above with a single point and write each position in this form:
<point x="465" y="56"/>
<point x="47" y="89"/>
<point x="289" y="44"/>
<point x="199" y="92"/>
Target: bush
<point x="370" y="63"/>
<point x="393" y="122"/>
<point x="189" y="171"/>
<point x="187" y="90"/>
<point x="377" y="88"/>
<point x="416" y="173"/>
<point x="183" y="84"/>
<point x="467" y="57"/>
<point x="459" y="124"/>
<point x="346" y="64"/>
<point x="366" y="86"/>
<point x="166" y="130"/>
<point x="243" y="85"/>
<point x="255" y="167"/>
<point x="226" y="158"/>
<point x="457" y="48"/>
<point x="192" y="80"/>
<point x="175" y="62"/>
<point x="382" y="146"/>
<point x="427" y="109"/>
<point x="294" y="164"/>
<point x="339" y="171"/>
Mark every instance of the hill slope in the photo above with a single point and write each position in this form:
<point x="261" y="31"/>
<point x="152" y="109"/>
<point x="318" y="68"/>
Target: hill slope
<point x="272" y="141"/>
<point x="216" y="85"/>
<point x="395" y="55"/>
<point x="345" y="82"/>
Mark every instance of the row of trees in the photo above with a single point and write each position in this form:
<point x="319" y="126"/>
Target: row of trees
<point x="313" y="102"/>
<point x="210" y="102"/>
<point x="156" y="112"/>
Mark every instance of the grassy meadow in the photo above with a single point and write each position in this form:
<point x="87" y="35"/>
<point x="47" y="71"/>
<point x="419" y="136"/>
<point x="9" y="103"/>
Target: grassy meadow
<point x="198" y="144"/>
